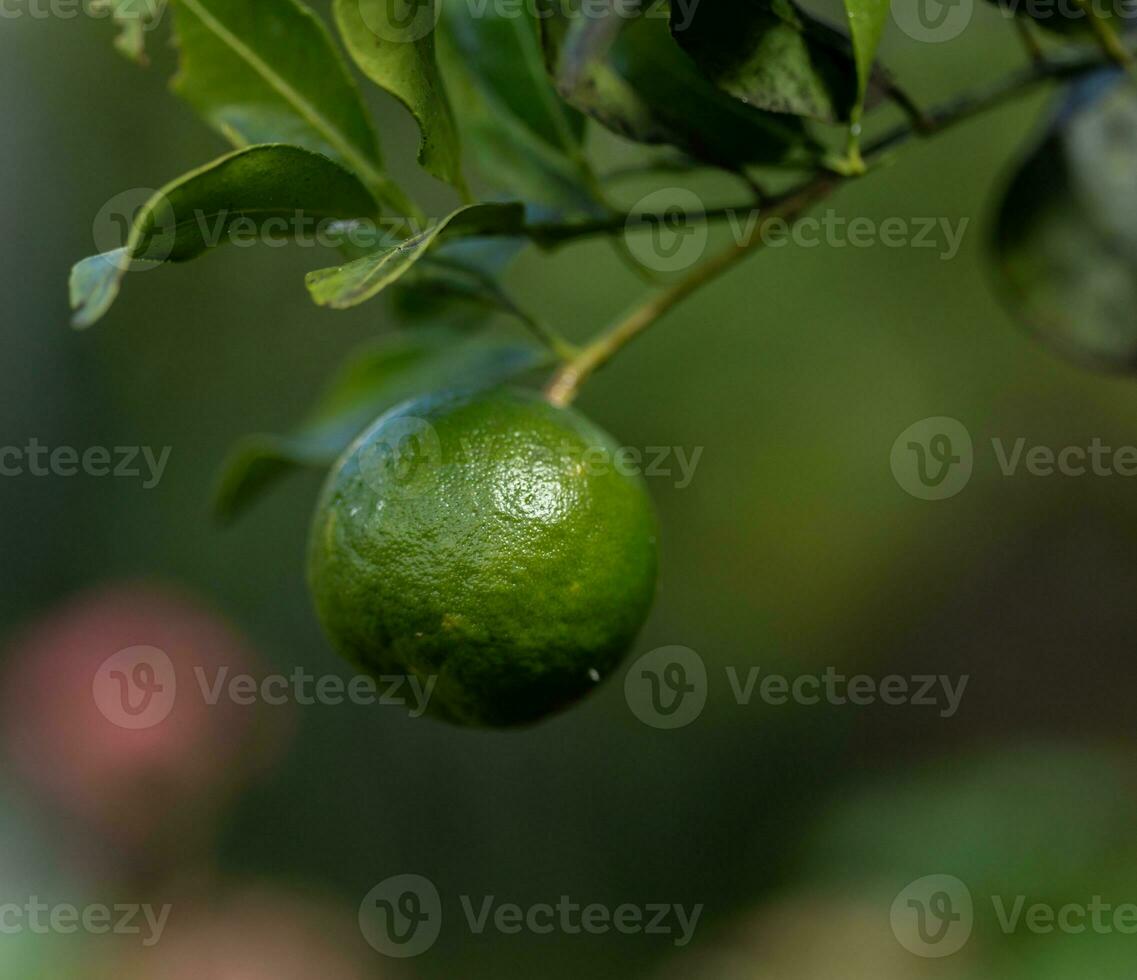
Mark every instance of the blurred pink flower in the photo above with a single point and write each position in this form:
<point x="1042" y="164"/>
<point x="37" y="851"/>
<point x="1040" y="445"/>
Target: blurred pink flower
<point x="136" y="786"/>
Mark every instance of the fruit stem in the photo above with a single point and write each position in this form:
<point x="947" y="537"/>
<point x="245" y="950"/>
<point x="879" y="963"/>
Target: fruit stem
<point x="565" y="383"/>
<point x="559" y="345"/>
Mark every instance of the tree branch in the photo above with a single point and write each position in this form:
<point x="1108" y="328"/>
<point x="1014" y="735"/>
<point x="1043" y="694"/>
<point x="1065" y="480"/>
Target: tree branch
<point x="566" y="382"/>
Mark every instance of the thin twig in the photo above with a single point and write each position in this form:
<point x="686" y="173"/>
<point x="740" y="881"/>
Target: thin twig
<point x="567" y="381"/>
<point x="1108" y="38"/>
<point x="976" y="102"/>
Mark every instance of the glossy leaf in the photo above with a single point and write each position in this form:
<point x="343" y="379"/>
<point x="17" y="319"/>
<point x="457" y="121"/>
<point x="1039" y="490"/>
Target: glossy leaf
<point x="262" y="71"/>
<point x="198" y="210"/>
<point x="629" y="74"/>
<point x="1066" y="237"/>
<point x="376" y="379"/>
<point x="772" y="55"/>
<point x="523" y="139"/>
<point x="399" y="57"/>
<point x="356" y="282"/>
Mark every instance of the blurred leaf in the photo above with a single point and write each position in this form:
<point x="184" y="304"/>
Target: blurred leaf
<point x="195" y="212"/>
<point x="399" y="57"/>
<point x="133" y="19"/>
<point x="349" y="285"/>
<point x="1066" y="236"/>
<point x="866" y="23"/>
<point x="524" y="139"/>
<point x="629" y="74"/>
<point x="1031" y="818"/>
<point x="772" y="55"/>
<point x="374" y="380"/>
<point x="267" y="71"/>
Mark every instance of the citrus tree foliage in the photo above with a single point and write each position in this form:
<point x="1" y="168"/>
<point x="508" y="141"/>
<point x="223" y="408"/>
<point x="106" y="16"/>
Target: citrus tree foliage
<point x="506" y="97"/>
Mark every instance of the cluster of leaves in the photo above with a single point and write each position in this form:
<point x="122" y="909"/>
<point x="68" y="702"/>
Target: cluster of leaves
<point x="506" y="90"/>
<point x="512" y="86"/>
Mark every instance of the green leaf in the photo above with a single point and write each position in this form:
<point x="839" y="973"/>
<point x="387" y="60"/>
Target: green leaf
<point x="629" y="74"/>
<point x="464" y="273"/>
<point x="356" y="282"/>
<point x="198" y="210"/>
<point x="866" y="24"/>
<point x="772" y="55"/>
<point x="399" y="57"/>
<point x="1066" y="236"/>
<point x="133" y="19"/>
<point x="267" y="71"/>
<point x="524" y="140"/>
<point x="376" y="379"/>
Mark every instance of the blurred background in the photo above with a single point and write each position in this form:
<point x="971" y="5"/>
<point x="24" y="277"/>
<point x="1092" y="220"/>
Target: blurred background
<point x="793" y="549"/>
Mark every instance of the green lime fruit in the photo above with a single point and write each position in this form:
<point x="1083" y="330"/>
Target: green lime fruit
<point x="489" y="543"/>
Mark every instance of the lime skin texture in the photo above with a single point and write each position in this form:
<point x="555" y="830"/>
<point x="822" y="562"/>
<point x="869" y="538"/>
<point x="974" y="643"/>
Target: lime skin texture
<point x="487" y="541"/>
